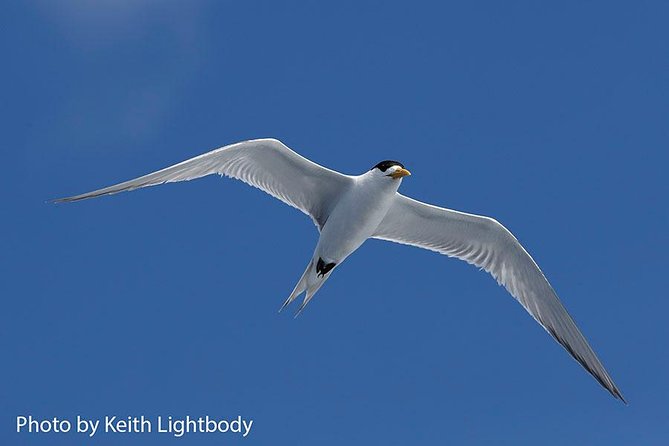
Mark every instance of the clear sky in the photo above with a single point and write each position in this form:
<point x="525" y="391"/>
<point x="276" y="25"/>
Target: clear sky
<point x="550" y="118"/>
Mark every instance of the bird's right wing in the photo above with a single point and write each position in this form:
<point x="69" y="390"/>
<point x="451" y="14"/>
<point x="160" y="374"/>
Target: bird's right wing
<point x="487" y="244"/>
<point x="263" y="163"/>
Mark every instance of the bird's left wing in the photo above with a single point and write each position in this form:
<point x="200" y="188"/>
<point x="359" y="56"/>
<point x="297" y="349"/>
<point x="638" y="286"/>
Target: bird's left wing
<point x="263" y="163"/>
<point x="484" y="242"/>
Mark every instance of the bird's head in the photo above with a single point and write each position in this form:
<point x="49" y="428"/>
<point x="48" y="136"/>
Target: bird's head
<point x="391" y="169"/>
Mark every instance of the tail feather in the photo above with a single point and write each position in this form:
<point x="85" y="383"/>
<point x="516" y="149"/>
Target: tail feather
<point x="312" y="288"/>
<point x="300" y="287"/>
<point x="311" y="281"/>
<point x="303" y="304"/>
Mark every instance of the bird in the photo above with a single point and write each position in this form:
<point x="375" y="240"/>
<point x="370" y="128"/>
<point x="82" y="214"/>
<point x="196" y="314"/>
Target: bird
<point x="350" y="209"/>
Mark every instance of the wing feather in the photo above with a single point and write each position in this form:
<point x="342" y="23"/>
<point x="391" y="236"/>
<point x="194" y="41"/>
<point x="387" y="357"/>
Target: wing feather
<point x="484" y="242"/>
<point x="263" y="163"/>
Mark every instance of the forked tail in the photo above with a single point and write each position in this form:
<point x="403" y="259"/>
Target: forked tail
<point x="312" y="279"/>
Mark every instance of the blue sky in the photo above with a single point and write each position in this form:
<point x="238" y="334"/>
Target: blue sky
<point x="550" y="118"/>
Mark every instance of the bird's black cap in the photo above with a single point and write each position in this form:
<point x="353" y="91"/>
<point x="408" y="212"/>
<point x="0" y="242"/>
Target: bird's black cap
<point x="384" y="165"/>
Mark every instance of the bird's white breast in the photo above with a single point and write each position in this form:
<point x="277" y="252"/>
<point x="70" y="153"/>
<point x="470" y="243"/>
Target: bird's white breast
<point x="356" y="217"/>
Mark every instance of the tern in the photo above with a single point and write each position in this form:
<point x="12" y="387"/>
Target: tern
<point x="348" y="209"/>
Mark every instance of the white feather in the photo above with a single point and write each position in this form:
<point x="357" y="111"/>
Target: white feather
<point x="368" y="205"/>
<point x="484" y="242"/>
<point x="263" y="163"/>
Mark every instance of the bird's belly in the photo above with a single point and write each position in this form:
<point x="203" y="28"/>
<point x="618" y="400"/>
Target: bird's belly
<point x="350" y="224"/>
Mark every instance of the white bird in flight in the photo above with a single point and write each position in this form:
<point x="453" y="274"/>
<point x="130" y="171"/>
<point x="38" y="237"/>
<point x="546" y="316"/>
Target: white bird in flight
<point x="347" y="210"/>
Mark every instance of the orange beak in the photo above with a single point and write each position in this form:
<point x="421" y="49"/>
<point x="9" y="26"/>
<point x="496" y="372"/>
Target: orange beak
<point x="400" y="173"/>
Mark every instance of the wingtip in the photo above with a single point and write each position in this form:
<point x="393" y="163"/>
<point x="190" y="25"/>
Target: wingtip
<point x="620" y="396"/>
<point x="62" y="200"/>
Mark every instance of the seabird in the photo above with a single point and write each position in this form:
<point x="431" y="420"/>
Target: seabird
<point x="349" y="209"/>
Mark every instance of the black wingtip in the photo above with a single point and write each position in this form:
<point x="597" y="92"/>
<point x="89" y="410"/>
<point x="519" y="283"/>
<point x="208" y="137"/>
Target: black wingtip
<point x="620" y="396"/>
<point x="605" y="381"/>
<point x="63" y="200"/>
<point x="73" y="199"/>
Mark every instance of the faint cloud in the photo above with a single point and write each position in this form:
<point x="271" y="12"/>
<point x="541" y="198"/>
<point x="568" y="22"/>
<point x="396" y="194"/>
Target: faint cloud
<point x="138" y="106"/>
<point x="88" y="22"/>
